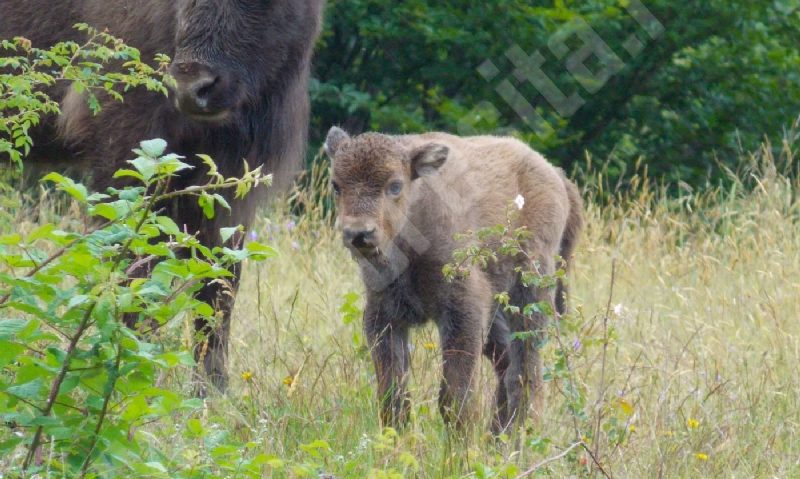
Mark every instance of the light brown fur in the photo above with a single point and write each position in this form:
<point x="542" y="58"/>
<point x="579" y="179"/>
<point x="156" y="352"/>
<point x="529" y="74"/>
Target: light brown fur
<point x="403" y="236"/>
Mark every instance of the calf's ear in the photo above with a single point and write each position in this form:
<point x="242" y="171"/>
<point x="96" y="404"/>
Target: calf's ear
<point x="336" y="137"/>
<point x="426" y="160"/>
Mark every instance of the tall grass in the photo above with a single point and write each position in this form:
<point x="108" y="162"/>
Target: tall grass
<point x="686" y="357"/>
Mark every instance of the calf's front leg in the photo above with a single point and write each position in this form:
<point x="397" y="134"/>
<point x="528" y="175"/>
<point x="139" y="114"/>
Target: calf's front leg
<point x="389" y="348"/>
<point x="461" y="328"/>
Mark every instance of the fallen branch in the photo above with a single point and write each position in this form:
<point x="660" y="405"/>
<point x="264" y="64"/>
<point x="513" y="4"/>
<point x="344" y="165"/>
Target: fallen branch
<point x="547" y="461"/>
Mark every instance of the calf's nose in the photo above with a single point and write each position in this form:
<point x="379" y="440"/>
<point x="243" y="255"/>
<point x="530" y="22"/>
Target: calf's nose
<point x="360" y="237"/>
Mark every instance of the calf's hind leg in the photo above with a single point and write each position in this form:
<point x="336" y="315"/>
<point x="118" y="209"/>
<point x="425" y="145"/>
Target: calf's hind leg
<point x="461" y="330"/>
<point x="497" y="350"/>
<point x="524" y="376"/>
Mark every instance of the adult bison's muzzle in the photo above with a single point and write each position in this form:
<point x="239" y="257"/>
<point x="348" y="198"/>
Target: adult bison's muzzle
<point x="203" y="92"/>
<point x="241" y="92"/>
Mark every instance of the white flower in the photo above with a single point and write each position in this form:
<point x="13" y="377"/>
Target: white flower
<point x="519" y="201"/>
<point x="618" y="309"/>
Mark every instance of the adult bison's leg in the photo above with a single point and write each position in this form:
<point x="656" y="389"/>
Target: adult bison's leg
<point x="211" y="343"/>
<point x="211" y="346"/>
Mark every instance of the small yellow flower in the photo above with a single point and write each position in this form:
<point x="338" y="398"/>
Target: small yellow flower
<point x="429" y="346"/>
<point x="692" y="423"/>
<point x="701" y="456"/>
<point x="632" y="428"/>
<point x="247" y="376"/>
<point x="288" y="380"/>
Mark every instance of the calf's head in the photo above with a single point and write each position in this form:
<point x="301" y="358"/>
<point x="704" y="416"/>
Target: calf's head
<point x="231" y="53"/>
<point x="373" y="176"/>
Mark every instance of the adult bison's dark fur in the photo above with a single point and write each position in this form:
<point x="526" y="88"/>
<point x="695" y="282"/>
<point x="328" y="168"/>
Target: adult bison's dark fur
<point x="401" y="201"/>
<point x="242" y="69"/>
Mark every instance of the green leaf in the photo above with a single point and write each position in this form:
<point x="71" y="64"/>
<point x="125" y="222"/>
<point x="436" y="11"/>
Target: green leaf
<point x="78" y="300"/>
<point x="145" y="166"/>
<point x="129" y="174"/>
<point x="43" y="231"/>
<point x="156" y="466"/>
<point x="9" y="352"/>
<point x="206" y="202"/>
<point x="29" y="390"/>
<point x="226" y="233"/>
<point x="136" y="408"/>
<point x="261" y="251"/>
<point x="316" y="448"/>
<point x="10" y="327"/>
<point x="222" y="201"/>
<point x="105" y="210"/>
<point x="75" y="190"/>
<point x="10" y="240"/>
<point x="154" y="148"/>
<point x="195" y="428"/>
<point x="168" y="226"/>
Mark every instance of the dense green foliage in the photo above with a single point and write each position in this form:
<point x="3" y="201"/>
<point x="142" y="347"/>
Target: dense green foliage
<point x="77" y="381"/>
<point x="26" y="73"/>
<point x="710" y="77"/>
<point x="74" y="380"/>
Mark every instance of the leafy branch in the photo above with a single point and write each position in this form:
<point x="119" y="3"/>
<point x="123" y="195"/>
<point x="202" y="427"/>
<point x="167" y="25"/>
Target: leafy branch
<point x="103" y="66"/>
<point x="85" y="290"/>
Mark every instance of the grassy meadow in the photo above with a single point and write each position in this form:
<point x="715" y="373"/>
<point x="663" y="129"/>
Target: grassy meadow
<point x="700" y="375"/>
<point x="679" y="357"/>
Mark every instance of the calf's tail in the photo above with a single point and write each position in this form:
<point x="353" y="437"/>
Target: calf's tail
<point x="569" y="239"/>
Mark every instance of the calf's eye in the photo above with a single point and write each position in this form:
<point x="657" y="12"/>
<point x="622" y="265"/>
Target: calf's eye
<point x="336" y="190"/>
<point x="395" y="188"/>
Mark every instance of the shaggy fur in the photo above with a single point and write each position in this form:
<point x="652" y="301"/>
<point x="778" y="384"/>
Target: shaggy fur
<point x="257" y="111"/>
<point x="401" y="200"/>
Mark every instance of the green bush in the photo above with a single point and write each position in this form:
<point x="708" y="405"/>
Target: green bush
<point x="26" y="74"/>
<point x="78" y="386"/>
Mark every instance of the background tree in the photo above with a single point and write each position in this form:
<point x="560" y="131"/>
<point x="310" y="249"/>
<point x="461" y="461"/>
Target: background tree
<point x="717" y="76"/>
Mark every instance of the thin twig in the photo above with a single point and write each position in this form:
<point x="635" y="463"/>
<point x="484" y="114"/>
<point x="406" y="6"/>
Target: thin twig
<point x="103" y="412"/>
<point x="62" y="374"/>
<point x="596" y="462"/>
<point x="550" y="459"/>
<point x="602" y="394"/>
<point x="55" y="256"/>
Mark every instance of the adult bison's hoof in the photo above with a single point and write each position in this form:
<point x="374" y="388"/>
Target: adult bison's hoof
<point x="207" y="381"/>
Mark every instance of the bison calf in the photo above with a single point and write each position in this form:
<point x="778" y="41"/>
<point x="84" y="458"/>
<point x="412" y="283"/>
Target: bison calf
<point x="401" y="201"/>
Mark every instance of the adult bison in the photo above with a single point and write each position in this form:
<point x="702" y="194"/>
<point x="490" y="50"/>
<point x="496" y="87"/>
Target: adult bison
<point x="242" y="69"/>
